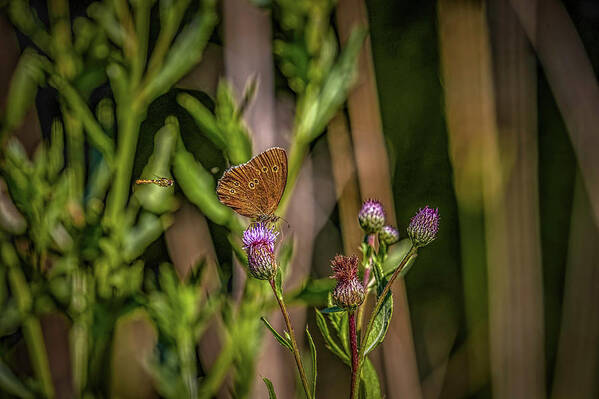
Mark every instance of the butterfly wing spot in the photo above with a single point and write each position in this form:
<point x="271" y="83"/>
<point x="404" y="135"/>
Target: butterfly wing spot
<point x="258" y="185"/>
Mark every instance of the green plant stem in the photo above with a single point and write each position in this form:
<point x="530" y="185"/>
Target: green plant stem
<point x="76" y="153"/>
<point x="376" y="309"/>
<point x="128" y="135"/>
<point x="168" y="30"/>
<point x="353" y="340"/>
<point x="214" y="379"/>
<point x="32" y="329"/>
<point x="370" y="239"/>
<point x="188" y="364"/>
<point x="296" y="354"/>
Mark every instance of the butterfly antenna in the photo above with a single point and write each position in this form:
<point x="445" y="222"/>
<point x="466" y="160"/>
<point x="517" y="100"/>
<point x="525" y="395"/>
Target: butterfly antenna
<point x="285" y="220"/>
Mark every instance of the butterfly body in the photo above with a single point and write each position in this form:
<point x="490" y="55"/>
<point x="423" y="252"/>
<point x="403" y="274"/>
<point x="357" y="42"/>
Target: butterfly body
<point x="254" y="189"/>
<point x="161" y="181"/>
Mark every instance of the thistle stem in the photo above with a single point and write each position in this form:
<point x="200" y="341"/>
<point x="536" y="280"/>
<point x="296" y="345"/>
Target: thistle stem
<point x="377" y="307"/>
<point x="296" y="354"/>
<point x="370" y="239"/>
<point x="353" y="339"/>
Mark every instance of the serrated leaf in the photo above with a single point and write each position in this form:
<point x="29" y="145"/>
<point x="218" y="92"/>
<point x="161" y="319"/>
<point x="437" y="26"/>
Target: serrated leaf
<point x="328" y="340"/>
<point x="370" y="387"/>
<point x="380" y="324"/>
<point x="284" y="342"/>
<point x="332" y="309"/>
<point x="313" y="355"/>
<point x="271" y="388"/>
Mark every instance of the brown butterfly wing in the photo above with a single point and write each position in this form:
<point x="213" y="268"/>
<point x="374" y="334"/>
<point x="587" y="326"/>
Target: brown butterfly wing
<point x="272" y="166"/>
<point x="233" y="191"/>
<point x="255" y="188"/>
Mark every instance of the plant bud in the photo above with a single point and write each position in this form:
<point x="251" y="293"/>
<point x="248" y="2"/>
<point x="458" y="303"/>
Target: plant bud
<point x="424" y="226"/>
<point x="371" y="216"/>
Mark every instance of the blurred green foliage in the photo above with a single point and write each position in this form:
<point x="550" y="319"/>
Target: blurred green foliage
<point x="76" y="233"/>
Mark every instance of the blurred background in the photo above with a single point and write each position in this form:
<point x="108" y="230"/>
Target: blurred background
<point x="487" y="110"/>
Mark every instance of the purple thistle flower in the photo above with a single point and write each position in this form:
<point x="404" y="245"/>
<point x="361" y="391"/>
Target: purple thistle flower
<point x="371" y="216"/>
<point x="259" y="245"/>
<point x="388" y="235"/>
<point x="349" y="291"/>
<point x="424" y="226"/>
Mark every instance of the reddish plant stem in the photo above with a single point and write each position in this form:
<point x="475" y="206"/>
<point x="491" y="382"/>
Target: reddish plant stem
<point x="381" y="298"/>
<point x="353" y="339"/>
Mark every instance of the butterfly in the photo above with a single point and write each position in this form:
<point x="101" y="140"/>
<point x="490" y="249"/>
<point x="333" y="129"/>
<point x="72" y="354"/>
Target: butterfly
<point x="254" y="189"/>
<point x="161" y="181"/>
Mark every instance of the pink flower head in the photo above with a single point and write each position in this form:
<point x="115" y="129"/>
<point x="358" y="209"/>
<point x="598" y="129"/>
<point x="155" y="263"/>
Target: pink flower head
<point x="259" y="245"/>
<point x="349" y="291"/>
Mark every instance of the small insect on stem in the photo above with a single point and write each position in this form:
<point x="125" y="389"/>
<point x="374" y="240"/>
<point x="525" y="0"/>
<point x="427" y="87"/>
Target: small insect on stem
<point x="161" y="181"/>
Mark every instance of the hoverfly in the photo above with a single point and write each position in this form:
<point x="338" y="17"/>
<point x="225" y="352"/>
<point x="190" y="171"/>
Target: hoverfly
<point x="160" y="181"/>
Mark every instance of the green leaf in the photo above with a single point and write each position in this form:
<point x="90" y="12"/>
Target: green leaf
<point x="147" y="230"/>
<point x="11" y="384"/>
<point x="185" y="52"/>
<point x="233" y="128"/>
<point x="313" y="355"/>
<point x="285" y="254"/>
<point x="204" y="118"/>
<point x="28" y="75"/>
<point x="340" y="322"/>
<point x="370" y="387"/>
<point x="332" y="309"/>
<point x="313" y="292"/>
<point x="237" y="250"/>
<point x="271" y="388"/>
<point x="154" y="198"/>
<point x="328" y="340"/>
<point x="395" y="255"/>
<point x="199" y="187"/>
<point x="284" y="342"/>
<point x="380" y="325"/>
<point x="56" y="151"/>
<point x="279" y="283"/>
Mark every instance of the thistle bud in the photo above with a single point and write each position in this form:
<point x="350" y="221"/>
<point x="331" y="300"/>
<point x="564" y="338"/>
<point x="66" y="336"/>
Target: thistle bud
<point x="388" y="235"/>
<point x="259" y="245"/>
<point x="371" y="216"/>
<point x="349" y="291"/>
<point x="424" y="226"/>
